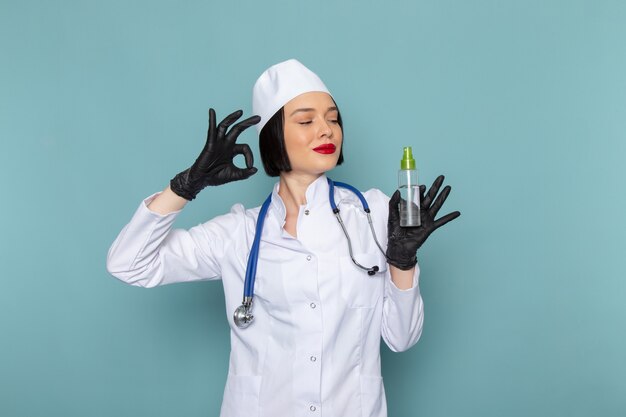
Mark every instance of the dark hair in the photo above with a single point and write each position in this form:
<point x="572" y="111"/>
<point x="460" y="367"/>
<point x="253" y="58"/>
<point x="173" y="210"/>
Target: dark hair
<point x="272" y="144"/>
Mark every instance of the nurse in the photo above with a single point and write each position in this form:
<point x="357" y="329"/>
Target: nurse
<point x="313" y="348"/>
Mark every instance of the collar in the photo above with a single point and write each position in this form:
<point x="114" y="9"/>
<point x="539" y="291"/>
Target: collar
<point x="316" y="198"/>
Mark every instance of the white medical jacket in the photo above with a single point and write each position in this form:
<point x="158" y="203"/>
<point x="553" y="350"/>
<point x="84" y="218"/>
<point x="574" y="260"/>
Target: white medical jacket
<point x="313" y="348"/>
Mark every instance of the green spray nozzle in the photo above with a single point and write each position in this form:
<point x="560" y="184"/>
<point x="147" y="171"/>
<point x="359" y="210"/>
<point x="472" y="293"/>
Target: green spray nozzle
<point x="407" y="161"/>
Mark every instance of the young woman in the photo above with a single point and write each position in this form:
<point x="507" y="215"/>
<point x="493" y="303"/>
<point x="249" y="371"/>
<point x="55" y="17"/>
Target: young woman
<point x="321" y="301"/>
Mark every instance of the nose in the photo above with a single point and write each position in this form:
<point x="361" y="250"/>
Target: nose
<point x="325" y="129"/>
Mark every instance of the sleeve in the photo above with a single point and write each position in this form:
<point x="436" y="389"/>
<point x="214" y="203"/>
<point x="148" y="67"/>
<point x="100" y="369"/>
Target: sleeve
<point x="403" y="310"/>
<point x="403" y="314"/>
<point x="148" y="252"/>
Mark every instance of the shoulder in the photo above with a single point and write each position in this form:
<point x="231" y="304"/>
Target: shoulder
<point x="376" y="195"/>
<point x="372" y="196"/>
<point x="237" y="223"/>
<point x="377" y="201"/>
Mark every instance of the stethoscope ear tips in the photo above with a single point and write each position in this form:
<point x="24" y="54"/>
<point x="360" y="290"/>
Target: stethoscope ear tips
<point x="373" y="270"/>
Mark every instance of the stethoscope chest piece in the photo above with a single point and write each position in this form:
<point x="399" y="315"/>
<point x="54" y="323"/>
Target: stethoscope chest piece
<point x="243" y="317"/>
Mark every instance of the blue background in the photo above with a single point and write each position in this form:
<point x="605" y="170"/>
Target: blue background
<point x="521" y="104"/>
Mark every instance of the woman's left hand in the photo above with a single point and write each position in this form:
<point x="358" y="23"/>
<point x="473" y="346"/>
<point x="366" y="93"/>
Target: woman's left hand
<point x="403" y="242"/>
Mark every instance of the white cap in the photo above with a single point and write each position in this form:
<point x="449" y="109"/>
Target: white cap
<point x="278" y="85"/>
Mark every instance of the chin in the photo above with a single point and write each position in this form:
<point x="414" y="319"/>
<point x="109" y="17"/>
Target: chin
<point x="328" y="167"/>
<point x="317" y="167"/>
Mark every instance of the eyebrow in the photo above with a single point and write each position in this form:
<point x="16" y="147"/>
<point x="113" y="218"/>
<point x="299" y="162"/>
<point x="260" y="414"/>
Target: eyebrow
<point x="306" y="109"/>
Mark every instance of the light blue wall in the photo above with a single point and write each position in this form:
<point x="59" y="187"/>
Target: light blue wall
<point x="522" y="104"/>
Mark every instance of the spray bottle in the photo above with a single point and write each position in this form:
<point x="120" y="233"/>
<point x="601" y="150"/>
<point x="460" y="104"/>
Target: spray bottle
<point x="409" y="190"/>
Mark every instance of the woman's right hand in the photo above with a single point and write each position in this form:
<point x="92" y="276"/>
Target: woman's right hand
<point x="214" y="165"/>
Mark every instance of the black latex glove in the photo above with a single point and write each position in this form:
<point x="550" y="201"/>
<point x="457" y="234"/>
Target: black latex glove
<point x="403" y="242"/>
<point x="215" y="165"/>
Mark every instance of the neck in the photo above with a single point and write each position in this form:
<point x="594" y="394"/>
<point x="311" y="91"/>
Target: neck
<point x="293" y="190"/>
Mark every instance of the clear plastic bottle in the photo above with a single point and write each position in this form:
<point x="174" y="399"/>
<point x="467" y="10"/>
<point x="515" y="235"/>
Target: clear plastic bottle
<point x="409" y="190"/>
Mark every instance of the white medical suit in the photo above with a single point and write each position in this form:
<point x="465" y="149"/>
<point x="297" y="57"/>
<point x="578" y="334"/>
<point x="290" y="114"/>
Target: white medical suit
<point x="313" y="348"/>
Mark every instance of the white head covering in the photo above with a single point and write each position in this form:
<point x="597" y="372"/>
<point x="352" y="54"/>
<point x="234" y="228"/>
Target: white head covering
<point x="278" y="85"/>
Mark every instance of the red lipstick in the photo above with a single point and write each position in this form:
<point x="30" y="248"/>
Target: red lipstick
<point x="326" y="149"/>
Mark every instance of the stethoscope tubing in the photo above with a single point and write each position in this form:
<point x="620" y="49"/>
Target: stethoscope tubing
<point x="243" y="316"/>
<point x="253" y="257"/>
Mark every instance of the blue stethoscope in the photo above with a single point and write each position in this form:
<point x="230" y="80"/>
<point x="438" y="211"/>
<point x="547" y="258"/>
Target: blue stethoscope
<point x="243" y="316"/>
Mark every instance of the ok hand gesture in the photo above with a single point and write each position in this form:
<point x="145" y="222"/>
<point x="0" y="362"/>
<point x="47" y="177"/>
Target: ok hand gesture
<point x="214" y="165"/>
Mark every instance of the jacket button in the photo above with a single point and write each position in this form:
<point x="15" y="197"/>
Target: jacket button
<point x="306" y="212"/>
<point x="312" y="408"/>
<point x="312" y="305"/>
<point x="308" y="258"/>
<point x="313" y="358"/>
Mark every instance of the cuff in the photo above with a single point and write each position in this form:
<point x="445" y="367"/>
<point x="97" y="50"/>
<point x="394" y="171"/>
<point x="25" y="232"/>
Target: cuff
<point x="414" y="286"/>
<point x="143" y="207"/>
